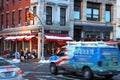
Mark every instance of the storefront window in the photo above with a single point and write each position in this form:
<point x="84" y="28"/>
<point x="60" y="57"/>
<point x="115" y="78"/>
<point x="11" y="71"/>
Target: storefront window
<point x="92" y="36"/>
<point x="106" y="36"/>
<point x="26" y="45"/>
<point x="77" y="34"/>
<point x="19" y="45"/>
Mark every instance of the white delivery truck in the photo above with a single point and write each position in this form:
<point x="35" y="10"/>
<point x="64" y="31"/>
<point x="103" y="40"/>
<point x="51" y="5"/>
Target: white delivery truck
<point x="88" y="58"/>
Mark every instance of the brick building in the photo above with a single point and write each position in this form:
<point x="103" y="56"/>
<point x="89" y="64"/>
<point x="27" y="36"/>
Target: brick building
<point x="15" y="29"/>
<point x="17" y="32"/>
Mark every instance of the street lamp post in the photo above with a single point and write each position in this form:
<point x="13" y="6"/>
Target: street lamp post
<point x="42" y="46"/>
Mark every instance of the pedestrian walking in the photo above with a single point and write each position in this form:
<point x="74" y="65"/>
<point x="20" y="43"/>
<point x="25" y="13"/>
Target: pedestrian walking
<point x="17" y="55"/>
<point x="27" y="55"/>
<point x="5" y="53"/>
<point x="21" y="55"/>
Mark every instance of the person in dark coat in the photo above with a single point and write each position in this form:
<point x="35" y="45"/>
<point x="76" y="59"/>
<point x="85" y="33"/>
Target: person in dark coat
<point x="27" y="55"/>
<point x="21" y="55"/>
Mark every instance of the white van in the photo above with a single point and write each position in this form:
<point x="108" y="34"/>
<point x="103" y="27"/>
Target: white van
<point x="88" y="58"/>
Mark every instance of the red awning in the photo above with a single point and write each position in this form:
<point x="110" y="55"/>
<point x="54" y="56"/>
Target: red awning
<point x="20" y="37"/>
<point x="16" y="37"/>
<point x="111" y="42"/>
<point x="10" y="38"/>
<point x="29" y="37"/>
<point x="58" y="37"/>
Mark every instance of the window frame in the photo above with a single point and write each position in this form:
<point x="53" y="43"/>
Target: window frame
<point x="49" y="15"/>
<point x="13" y="19"/>
<point x="62" y="17"/>
<point x="77" y="8"/>
<point x="108" y="8"/>
<point x="26" y="10"/>
<point x="7" y="19"/>
<point x="2" y="20"/>
<point x="20" y="16"/>
<point x="91" y="14"/>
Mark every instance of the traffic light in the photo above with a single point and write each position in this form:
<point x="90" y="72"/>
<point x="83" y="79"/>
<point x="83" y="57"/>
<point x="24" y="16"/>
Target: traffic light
<point x="30" y="16"/>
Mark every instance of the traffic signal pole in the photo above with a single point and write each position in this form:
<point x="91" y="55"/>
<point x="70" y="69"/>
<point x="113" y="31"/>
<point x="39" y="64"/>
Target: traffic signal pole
<point x="41" y="35"/>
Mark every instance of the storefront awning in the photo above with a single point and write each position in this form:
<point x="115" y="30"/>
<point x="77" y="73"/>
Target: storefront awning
<point x="58" y="37"/>
<point x="94" y="27"/>
<point x="10" y="38"/>
<point x="20" y="37"/>
<point x="29" y="37"/>
<point x="26" y="37"/>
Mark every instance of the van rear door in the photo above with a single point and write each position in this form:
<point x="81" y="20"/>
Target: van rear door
<point x="111" y="58"/>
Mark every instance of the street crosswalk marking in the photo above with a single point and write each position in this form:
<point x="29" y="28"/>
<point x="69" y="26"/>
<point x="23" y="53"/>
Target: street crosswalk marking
<point x="48" y="76"/>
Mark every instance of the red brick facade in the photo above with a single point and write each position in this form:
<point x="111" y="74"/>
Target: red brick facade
<point x="9" y="7"/>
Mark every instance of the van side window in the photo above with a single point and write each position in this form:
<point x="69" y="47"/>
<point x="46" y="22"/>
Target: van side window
<point x="61" y="53"/>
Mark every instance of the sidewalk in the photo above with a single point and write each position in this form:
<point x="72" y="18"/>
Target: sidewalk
<point x="34" y="60"/>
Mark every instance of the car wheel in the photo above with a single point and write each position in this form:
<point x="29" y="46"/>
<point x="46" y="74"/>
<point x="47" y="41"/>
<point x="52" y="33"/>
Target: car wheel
<point x="87" y="73"/>
<point x="53" y="69"/>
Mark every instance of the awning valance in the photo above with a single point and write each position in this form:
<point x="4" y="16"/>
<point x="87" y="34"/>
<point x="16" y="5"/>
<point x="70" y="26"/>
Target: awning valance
<point x="29" y="37"/>
<point x="10" y="38"/>
<point x="26" y="37"/>
<point x="94" y="27"/>
<point x="58" y="37"/>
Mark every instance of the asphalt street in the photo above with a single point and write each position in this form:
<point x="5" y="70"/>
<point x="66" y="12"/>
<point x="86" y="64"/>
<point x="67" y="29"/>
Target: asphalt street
<point x="40" y="71"/>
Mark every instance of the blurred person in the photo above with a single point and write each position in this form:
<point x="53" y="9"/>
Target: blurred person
<point x="21" y="55"/>
<point x="27" y="55"/>
<point x="5" y="53"/>
<point x="58" y="50"/>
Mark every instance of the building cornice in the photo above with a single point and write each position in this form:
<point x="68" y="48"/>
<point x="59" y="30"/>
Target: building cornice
<point x="19" y="30"/>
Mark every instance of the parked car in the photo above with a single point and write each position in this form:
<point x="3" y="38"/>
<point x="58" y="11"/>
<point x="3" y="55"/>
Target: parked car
<point x="88" y="58"/>
<point x="9" y="71"/>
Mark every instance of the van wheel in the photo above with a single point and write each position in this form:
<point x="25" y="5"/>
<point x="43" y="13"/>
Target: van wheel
<point x="108" y="76"/>
<point x="87" y="73"/>
<point x="53" y="68"/>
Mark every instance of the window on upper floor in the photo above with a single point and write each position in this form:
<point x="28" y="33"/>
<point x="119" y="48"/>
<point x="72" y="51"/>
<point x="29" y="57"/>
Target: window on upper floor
<point x="19" y="16"/>
<point x="77" y="9"/>
<point x="13" y="19"/>
<point x="34" y="12"/>
<point x="13" y="1"/>
<point x="7" y="20"/>
<point x="2" y="3"/>
<point x="26" y="11"/>
<point x="62" y="16"/>
<point x="7" y="2"/>
<point x="48" y="15"/>
<point x="20" y="0"/>
<point x="2" y="20"/>
<point x="93" y="11"/>
<point x="108" y="13"/>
